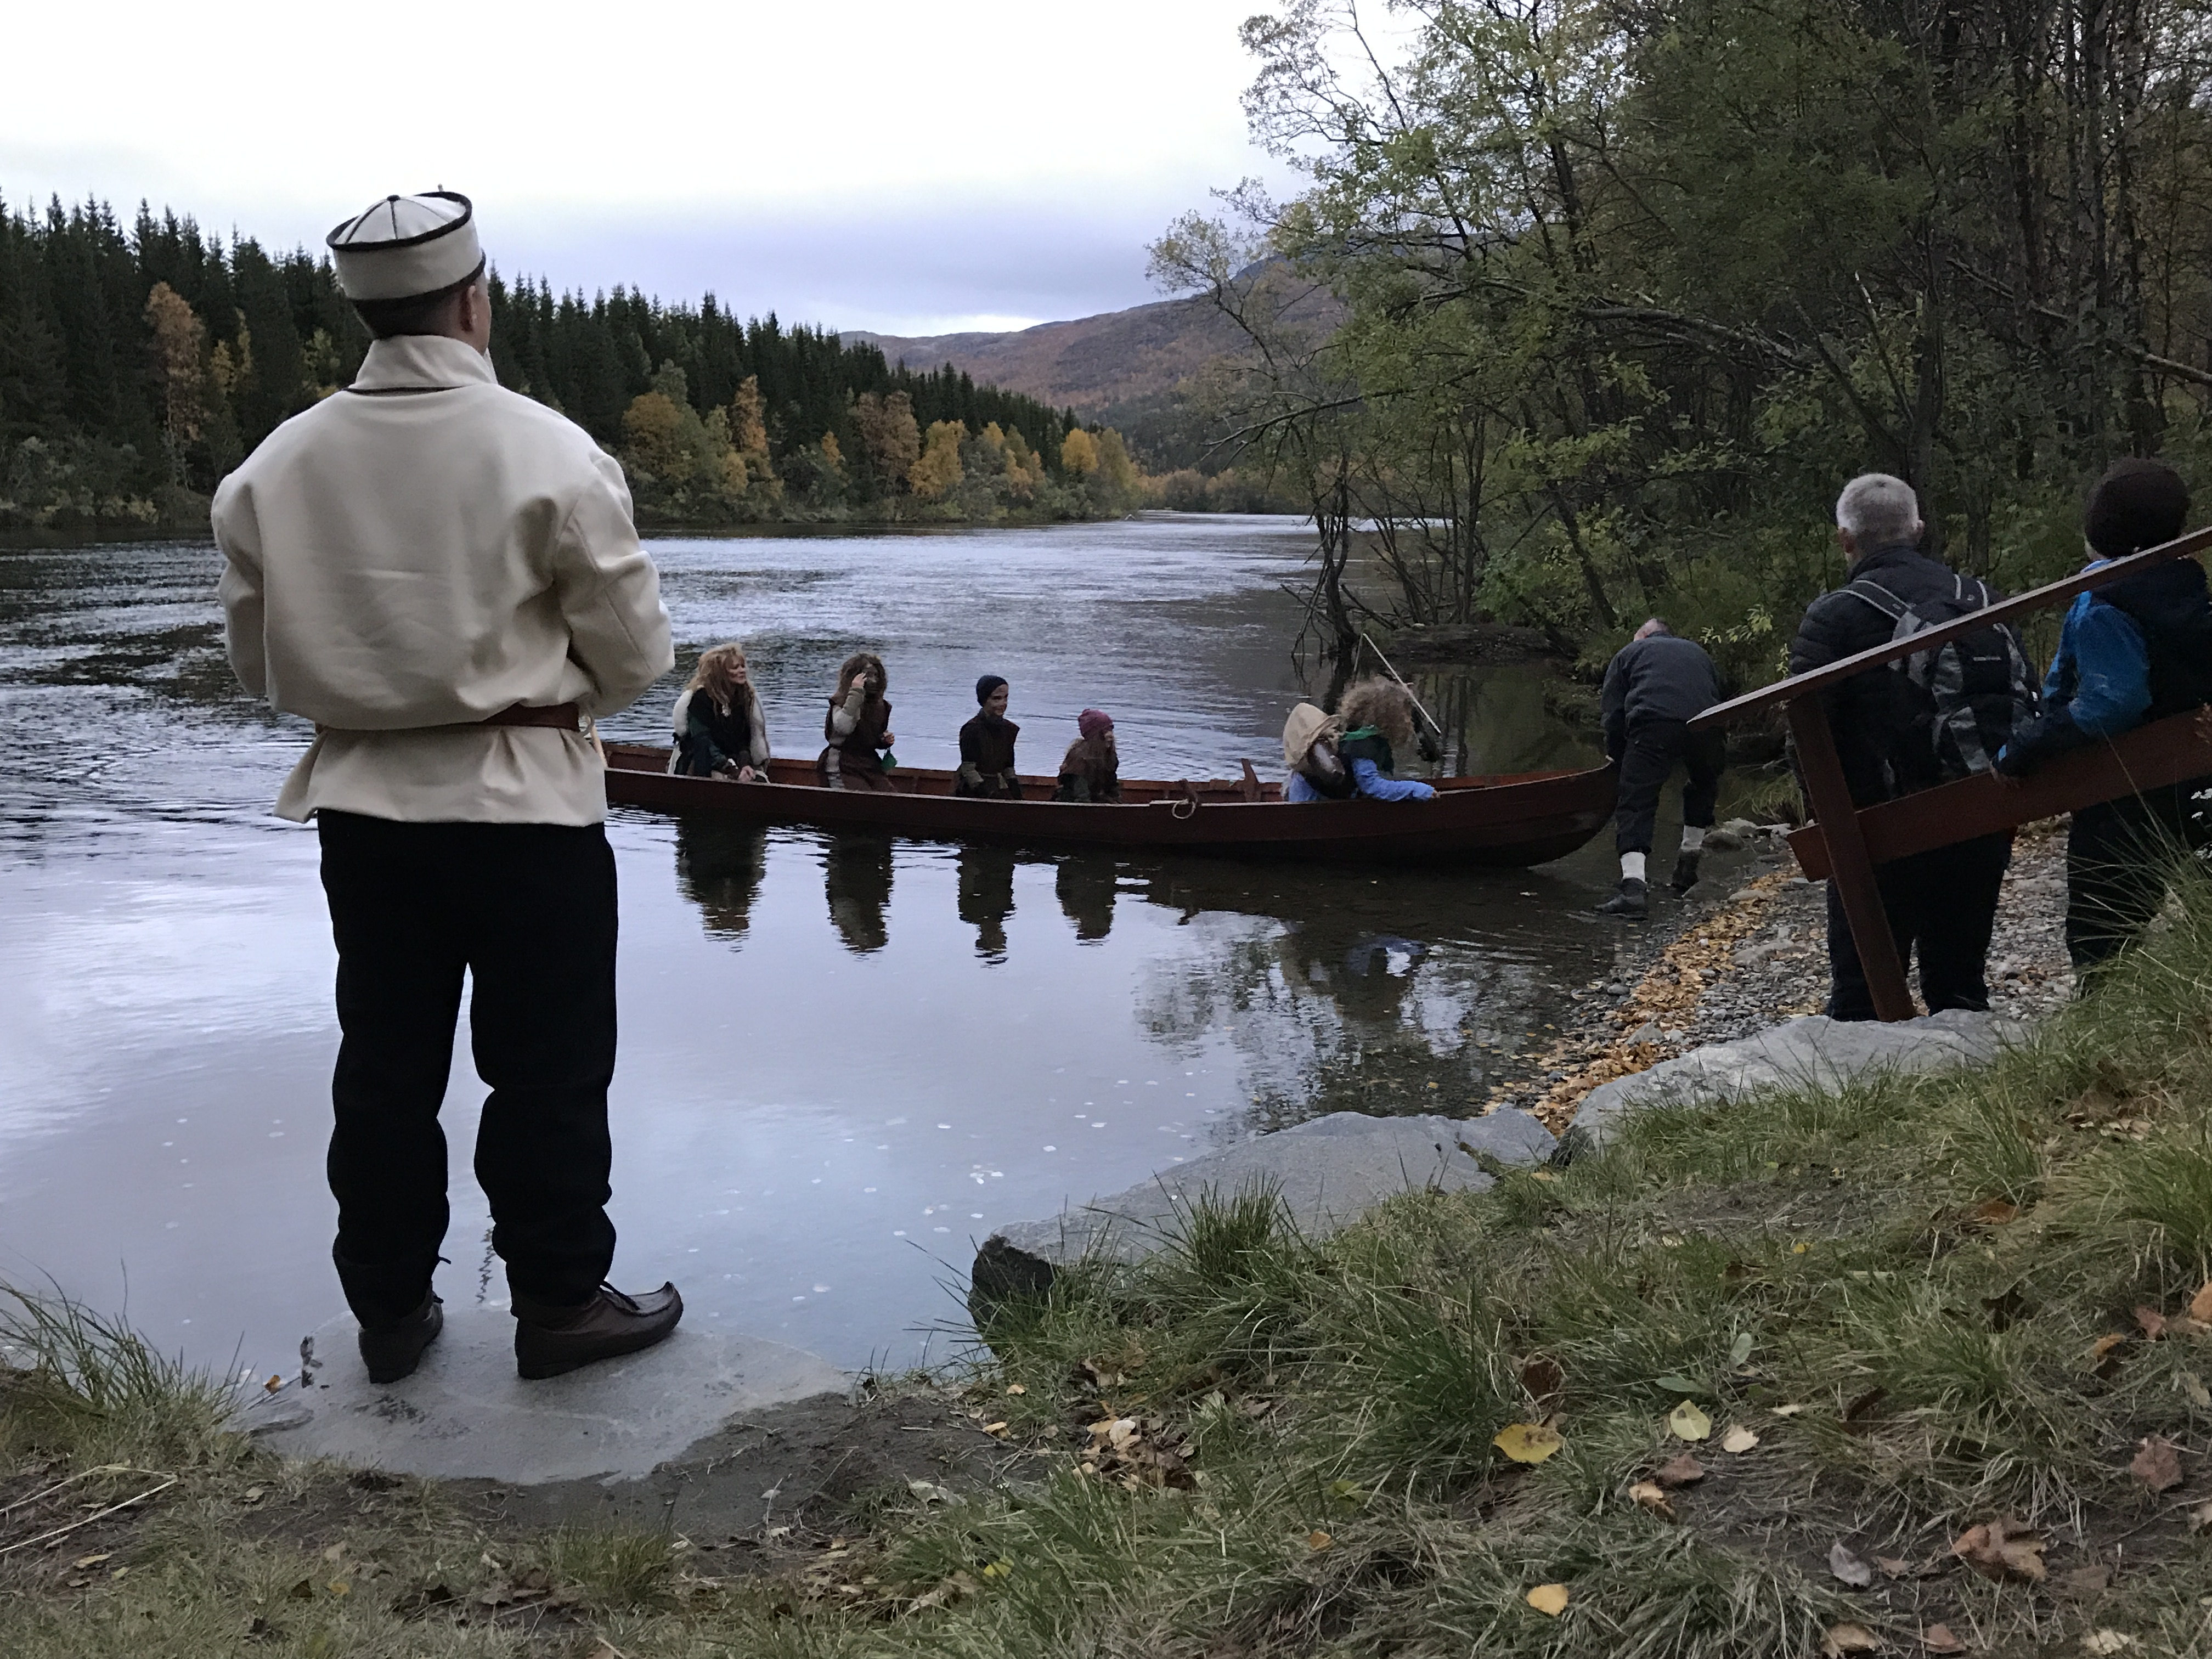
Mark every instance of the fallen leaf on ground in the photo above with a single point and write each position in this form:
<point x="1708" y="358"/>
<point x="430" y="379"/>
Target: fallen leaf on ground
<point x="2107" y="1641"/>
<point x="1682" y="1469"/>
<point x="274" y="1384"/>
<point x="1739" y="1350"/>
<point x="1937" y="1638"/>
<point x="2086" y="1580"/>
<point x="1526" y="1443"/>
<point x="1995" y="1210"/>
<point x="2158" y="1465"/>
<point x="253" y="1495"/>
<point x="1783" y="1411"/>
<point x="1016" y="1388"/>
<point x="1849" y="1566"/>
<point x="2193" y="1386"/>
<point x="1688" y="1423"/>
<point x="92" y="1560"/>
<point x="995" y="1428"/>
<point x="1549" y="1599"/>
<point x="2101" y="1349"/>
<point x="2200" y="1517"/>
<point x="1318" y="1539"/>
<point x="2153" y="1322"/>
<point x="1849" y="1638"/>
<point x="2003" y="1550"/>
<point x="1649" y="1495"/>
<point x="929" y="1492"/>
<point x="2200" y="1305"/>
<point x="1892" y="1567"/>
<point x="1738" y="1439"/>
<point x="1675" y="1383"/>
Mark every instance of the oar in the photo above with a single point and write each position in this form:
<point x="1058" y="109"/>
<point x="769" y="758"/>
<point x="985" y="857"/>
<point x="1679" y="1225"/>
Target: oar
<point x="1431" y="748"/>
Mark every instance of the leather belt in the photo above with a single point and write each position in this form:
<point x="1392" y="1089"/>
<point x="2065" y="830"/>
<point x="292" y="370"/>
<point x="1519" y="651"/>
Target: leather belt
<point x="562" y="716"/>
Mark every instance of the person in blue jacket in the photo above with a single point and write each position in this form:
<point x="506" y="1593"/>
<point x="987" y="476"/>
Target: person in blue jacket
<point x="1377" y="717"/>
<point x="2136" y="651"/>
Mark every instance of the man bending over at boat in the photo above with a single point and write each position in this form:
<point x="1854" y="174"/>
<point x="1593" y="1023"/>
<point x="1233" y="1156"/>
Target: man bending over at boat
<point x="987" y="747"/>
<point x="1091" y="771"/>
<point x="1374" y="716"/>
<point x="720" y="730"/>
<point x="858" y="727"/>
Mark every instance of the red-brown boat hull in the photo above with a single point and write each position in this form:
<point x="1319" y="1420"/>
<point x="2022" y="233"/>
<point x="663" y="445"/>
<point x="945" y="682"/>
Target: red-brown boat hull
<point x="1508" y="821"/>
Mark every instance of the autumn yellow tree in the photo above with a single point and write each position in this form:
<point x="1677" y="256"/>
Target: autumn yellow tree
<point x="651" y="438"/>
<point x="1117" y="471"/>
<point x="1079" y="453"/>
<point x="748" y="419"/>
<point x="178" y="341"/>
<point x="938" y="469"/>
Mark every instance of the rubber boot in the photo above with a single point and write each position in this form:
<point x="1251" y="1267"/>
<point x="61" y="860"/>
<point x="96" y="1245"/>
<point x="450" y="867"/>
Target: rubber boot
<point x="1631" y="898"/>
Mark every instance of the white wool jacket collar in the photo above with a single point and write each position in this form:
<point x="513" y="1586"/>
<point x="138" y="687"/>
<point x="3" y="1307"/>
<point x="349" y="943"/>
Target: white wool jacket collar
<point x="422" y="362"/>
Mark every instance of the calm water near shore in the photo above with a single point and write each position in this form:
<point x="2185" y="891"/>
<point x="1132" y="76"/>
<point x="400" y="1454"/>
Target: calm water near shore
<point x="842" y="1060"/>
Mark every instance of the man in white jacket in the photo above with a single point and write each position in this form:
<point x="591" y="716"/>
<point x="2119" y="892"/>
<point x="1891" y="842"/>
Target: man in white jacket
<point x="445" y="577"/>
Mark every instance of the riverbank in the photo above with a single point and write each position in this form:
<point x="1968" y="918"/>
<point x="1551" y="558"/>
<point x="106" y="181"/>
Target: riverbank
<point x="1916" y="1365"/>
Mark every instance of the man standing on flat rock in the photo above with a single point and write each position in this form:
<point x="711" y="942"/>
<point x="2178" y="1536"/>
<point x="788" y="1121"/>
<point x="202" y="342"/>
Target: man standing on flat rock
<point x="444" y="577"/>
<point x="1654" y="686"/>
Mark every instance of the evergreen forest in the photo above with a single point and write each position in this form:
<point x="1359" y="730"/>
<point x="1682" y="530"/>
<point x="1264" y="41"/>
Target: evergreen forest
<point x="140" y="363"/>
<point x="1625" y="290"/>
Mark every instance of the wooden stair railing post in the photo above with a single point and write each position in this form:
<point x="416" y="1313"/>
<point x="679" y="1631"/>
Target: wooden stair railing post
<point x="1850" y="869"/>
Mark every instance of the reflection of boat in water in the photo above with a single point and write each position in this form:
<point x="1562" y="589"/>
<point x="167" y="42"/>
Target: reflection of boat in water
<point x="1517" y="819"/>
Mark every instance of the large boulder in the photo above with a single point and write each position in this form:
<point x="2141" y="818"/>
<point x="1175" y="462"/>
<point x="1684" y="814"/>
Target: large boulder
<point x="1811" y="1051"/>
<point x="1327" y="1174"/>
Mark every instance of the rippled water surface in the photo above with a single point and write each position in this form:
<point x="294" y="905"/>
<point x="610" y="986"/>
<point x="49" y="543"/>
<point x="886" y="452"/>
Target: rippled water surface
<point x="842" y="1060"/>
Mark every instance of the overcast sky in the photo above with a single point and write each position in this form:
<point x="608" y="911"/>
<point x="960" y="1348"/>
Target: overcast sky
<point x="912" y="168"/>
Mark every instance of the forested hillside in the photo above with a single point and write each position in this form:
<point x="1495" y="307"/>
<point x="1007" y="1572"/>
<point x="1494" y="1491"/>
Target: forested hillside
<point x="139" y="363"/>
<point x="1632" y="287"/>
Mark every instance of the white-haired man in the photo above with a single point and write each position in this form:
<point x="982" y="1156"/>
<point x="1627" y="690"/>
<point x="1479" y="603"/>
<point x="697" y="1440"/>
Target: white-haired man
<point x="1942" y="905"/>
<point x="445" y="577"/>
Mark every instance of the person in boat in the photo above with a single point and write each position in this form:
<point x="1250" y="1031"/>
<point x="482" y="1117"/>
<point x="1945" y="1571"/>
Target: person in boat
<point x="1374" y="721"/>
<point x="858" y="727"/>
<point x="720" y="730"/>
<point x="446" y="578"/>
<point x="2138" y="651"/>
<point x="987" y="747"/>
<point x="1091" y="771"/>
<point x="1654" y="686"/>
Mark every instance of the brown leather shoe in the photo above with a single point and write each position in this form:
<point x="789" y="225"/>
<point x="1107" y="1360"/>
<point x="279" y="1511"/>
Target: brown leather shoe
<point x="391" y="1351"/>
<point x="549" y="1339"/>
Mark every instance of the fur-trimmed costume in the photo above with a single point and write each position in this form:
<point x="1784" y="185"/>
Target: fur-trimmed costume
<point x="710" y="737"/>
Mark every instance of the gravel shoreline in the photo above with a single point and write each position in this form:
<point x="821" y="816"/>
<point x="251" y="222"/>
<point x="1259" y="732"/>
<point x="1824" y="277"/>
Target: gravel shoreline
<point x="1754" y="953"/>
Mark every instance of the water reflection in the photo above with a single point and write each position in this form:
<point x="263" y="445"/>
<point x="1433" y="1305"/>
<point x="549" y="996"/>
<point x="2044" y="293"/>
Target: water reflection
<point x="719" y="867"/>
<point x="987" y="897"/>
<point x="856" y="875"/>
<point x="1086" y="887"/>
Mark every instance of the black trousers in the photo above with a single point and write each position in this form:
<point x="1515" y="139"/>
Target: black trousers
<point x="1942" y="905"/>
<point x="2120" y="863"/>
<point x="1655" y="747"/>
<point x="528" y="910"/>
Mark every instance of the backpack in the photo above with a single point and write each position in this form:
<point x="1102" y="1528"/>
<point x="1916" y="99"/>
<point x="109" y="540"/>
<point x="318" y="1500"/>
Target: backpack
<point x="1969" y="694"/>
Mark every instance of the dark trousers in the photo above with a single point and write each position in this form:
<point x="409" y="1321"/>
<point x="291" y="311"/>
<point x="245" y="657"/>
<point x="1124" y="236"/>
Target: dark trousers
<point x="1942" y="905"/>
<point x="2120" y="862"/>
<point x="528" y="911"/>
<point x="1653" y="749"/>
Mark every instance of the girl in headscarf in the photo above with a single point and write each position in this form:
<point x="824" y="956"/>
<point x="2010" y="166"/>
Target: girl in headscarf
<point x="720" y="731"/>
<point x="858" y="727"/>
<point x="986" y="746"/>
<point x="1091" y="770"/>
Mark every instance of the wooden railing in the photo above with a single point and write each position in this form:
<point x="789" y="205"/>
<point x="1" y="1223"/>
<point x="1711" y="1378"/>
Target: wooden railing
<point x="1843" y="842"/>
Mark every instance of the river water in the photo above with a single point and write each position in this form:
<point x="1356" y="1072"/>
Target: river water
<point x="843" y="1062"/>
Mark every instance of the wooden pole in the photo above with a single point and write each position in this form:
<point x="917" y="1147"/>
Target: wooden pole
<point x="1850" y="869"/>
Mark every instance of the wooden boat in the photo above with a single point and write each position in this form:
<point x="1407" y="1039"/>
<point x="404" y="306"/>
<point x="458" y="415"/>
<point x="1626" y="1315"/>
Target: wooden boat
<point x="1509" y="820"/>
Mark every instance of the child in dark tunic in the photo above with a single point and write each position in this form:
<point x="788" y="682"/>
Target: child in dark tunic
<point x="718" y="730"/>
<point x="1091" y="770"/>
<point x="987" y="747"/>
<point x="858" y="727"/>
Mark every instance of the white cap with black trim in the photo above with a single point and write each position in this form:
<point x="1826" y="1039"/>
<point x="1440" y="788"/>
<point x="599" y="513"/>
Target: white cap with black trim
<point x="404" y="247"/>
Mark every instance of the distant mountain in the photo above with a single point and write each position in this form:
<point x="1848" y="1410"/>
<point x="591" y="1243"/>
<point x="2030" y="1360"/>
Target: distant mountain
<point x="1091" y="364"/>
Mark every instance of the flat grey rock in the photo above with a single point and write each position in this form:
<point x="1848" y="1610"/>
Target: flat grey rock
<point x="1329" y="1172"/>
<point x="466" y="1413"/>
<point x="1810" y="1051"/>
